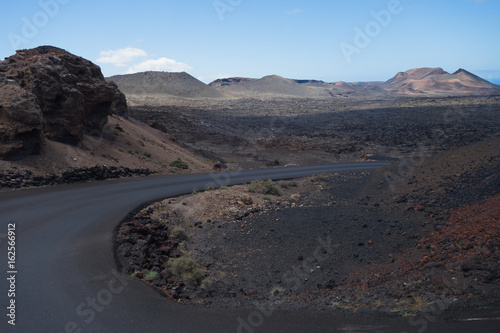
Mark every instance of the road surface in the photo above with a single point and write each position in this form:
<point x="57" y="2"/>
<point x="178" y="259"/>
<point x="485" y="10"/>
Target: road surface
<point x="62" y="275"/>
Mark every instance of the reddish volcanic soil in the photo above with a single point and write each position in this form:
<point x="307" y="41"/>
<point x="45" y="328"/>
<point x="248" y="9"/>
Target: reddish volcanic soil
<point x="459" y="262"/>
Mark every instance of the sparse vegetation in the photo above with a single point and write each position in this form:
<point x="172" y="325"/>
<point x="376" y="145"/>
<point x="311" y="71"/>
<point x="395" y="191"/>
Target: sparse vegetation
<point x="207" y="282"/>
<point x="378" y="304"/>
<point x="287" y="184"/>
<point x="179" y="164"/>
<point x="419" y="303"/>
<point x="336" y="305"/>
<point x="185" y="268"/>
<point x="319" y="178"/>
<point x="348" y="307"/>
<point x="147" y="154"/>
<point x="180" y="234"/>
<point x="151" y="276"/>
<point x="210" y="188"/>
<point x="182" y="247"/>
<point x="264" y="187"/>
<point x="410" y="307"/>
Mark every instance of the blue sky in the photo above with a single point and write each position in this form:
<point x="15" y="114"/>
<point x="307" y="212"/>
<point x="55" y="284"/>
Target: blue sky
<point x="331" y="40"/>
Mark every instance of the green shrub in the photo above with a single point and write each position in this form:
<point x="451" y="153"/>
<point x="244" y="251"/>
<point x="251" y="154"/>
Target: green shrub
<point x="147" y="154"/>
<point x="185" y="268"/>
<point x="179" y="164"/>
<point x="264" y="187"/>
<point x="287" y="184"/>
<point x="207" y="282"/>
<point x="180" y="234"/>
<point x="319" y="178"/>
<point x="151" y="276"/>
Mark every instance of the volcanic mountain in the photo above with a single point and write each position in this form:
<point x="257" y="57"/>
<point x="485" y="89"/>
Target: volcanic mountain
<point x="436" y="81"/>
<point x="141" y="87"/>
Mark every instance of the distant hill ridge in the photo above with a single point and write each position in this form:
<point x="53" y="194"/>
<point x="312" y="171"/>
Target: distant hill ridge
<point x="277" y="86"/>
<point x="414" y="82"/>
<point x="419" y="81"/>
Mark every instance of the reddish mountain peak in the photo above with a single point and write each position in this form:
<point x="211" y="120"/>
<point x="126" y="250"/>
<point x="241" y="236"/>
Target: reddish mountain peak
<point x="462" y="71"/>
<point x="414" y="74"/>
<point x="438" y="71"/>
<point x="466" y="75"/>
<point x="420" y="73"/>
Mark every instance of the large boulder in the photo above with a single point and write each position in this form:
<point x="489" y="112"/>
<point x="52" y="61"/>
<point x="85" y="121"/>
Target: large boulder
<point x="70" y="91"/>
<point x="20" y="120"/>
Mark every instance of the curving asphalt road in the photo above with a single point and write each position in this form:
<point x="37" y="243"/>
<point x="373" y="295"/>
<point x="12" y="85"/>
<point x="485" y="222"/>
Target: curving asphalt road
<point x="65" y="276"/>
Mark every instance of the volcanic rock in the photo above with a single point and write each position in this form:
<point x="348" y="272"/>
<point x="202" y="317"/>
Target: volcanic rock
<point x="20" y="120"/>
<point x="71" y="92"/>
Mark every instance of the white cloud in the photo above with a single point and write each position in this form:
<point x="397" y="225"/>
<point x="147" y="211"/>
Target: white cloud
<point x="129" y="57"/>
<point x="121" y="57"/>
<point x="161" y="64"/>
<point x="294" y="11"/>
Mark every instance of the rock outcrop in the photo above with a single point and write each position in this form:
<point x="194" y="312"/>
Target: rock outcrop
<point x="64" y="95"/>
<point x="20" y="120"/>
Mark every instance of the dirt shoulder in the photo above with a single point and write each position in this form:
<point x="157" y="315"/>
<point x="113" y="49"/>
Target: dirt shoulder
<point x="343" y="242"/>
